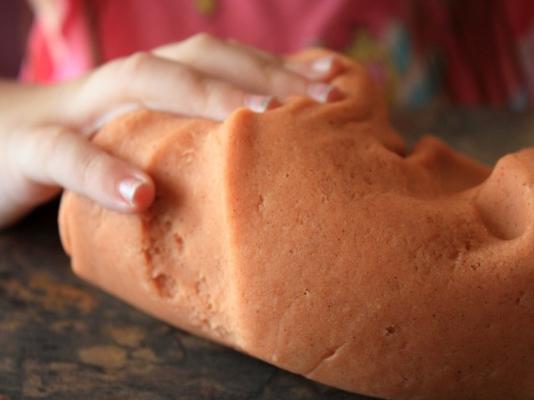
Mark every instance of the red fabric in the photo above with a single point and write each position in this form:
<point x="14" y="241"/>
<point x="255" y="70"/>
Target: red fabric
<point x="60" y="52"/>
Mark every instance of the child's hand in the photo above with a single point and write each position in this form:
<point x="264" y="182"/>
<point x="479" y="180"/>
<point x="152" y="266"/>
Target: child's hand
<point x="45" y="131"/>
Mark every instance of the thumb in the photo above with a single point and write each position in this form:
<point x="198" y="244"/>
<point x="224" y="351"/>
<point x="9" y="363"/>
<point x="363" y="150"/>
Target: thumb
<point x="54" y="156"/>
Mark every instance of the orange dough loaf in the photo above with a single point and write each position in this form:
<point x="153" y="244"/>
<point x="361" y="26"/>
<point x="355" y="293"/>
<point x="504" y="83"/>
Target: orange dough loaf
<point x="305" y="237"/>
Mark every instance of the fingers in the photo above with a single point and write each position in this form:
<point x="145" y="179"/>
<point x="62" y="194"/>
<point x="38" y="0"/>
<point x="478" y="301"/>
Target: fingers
<point x="200" y="77"/>
<point x="54" y="157"/>
<point x="145" y="80"/>
<point x="252" y="69"/>
<point x="322" y="69"/>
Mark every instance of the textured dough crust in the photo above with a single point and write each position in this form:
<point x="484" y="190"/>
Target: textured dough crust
<point x="304" y="237"/>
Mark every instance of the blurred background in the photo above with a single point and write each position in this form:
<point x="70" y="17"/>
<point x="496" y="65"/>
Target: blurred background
<point x="15" y="21"/>
<point x="460" y="52"/>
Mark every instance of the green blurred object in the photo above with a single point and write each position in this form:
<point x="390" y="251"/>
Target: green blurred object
<point x="206" y="7"/>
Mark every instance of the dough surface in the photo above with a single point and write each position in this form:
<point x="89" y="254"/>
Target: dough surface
<point x="305" y="237"/>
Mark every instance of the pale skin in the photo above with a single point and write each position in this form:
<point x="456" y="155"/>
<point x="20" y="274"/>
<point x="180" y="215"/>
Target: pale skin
<point x="45" y="131"/>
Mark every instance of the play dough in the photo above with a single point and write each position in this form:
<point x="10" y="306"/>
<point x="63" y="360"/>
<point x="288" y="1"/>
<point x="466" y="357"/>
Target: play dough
<point x="307" y="237"/>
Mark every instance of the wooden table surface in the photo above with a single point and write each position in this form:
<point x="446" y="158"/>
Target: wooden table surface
<point x="61" y="338"/>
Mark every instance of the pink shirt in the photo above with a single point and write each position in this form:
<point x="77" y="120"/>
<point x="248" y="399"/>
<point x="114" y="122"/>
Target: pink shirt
<point x="124" y="27"/>
<point x="477" y="54"/>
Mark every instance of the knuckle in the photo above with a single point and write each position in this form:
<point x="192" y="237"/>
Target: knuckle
<point x="187" y="49"/>
<point x="122" y="75"/>
<point x="133" y="65"/>
<point x="120" y="72"/>
<point x="201" y="40"/>
<point x="90" y="165"/>
<point x="193" y="49"/>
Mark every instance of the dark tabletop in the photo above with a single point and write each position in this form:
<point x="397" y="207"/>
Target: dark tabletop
<point x="61" y="338"/>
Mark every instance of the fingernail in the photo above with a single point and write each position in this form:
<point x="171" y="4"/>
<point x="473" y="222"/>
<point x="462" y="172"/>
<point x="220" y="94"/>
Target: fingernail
<point x="128" y="188"/>
<point x="323" y="92"/>
<point x="323" y="65"/>
<point x="258" y="103"/>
